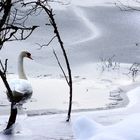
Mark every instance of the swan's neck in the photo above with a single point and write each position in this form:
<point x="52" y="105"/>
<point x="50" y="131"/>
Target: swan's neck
<point x="21" y="72"/>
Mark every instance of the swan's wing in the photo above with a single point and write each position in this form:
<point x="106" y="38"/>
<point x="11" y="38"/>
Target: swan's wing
<point x="21" y="86"/>
<point x="21" y="89"/>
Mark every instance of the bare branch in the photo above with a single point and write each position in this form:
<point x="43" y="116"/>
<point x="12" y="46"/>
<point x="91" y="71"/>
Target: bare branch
<point x="5" y="69"/>
<point x="12" y="21"/>
<point x="6" y="6"/>
<point x="45" y="45"/>
<point x="2" y="66"/>
<point x="60" y="66"/>
<point x="3" y="76"/>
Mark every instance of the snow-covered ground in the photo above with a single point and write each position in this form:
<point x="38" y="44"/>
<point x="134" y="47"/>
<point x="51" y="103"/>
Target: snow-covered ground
<point x="92" y="31"/>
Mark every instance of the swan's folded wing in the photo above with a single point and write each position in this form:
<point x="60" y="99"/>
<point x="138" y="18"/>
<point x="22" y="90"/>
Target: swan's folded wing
<point x="21" y="89"/>
<point x="21" y="86"/>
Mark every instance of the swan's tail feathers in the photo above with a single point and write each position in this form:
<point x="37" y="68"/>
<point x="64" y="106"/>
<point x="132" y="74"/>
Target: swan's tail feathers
<point x="85" y="128"/>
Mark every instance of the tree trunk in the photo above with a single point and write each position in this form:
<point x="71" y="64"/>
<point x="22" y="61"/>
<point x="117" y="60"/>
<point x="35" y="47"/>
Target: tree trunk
<point x="52" y="21"/>
<point x="13" y="115"/>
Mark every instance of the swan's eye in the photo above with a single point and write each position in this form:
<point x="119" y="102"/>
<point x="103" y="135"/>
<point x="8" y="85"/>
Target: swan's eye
<point x="28" y="55"/>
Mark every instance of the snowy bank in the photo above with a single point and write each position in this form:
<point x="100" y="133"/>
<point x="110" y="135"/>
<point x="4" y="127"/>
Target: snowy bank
<point x="126" y="126"/>
<point x="128" y="129"/>
<point x="90" y="33"/>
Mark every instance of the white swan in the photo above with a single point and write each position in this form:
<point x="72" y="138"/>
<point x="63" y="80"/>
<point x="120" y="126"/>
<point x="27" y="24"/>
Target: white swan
<point x="21" y="88"/>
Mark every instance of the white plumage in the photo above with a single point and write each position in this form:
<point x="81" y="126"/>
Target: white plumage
<point x="20" y="85"/>
<point x="21" y="88"/>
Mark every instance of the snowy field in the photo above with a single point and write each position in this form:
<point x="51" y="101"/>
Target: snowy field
<point x="105" y="97"/>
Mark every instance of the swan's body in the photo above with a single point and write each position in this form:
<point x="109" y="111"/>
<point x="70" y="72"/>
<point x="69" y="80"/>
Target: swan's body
<point x="21" y="88"/>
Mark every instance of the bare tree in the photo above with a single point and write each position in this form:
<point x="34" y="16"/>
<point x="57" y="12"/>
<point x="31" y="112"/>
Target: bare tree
<point x="127" y="6"/>
<point x="44" y="5"/>
<point x="13" y="112"/>
<point x="13" y="17"/>
<point x="13" y="21"/>
<point x="12" y="28"/>
<point x="134" y="71"/>
<point x="109" y="63"/>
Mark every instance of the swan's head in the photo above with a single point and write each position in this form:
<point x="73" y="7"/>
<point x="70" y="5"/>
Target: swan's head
<point x="26" y="54"/>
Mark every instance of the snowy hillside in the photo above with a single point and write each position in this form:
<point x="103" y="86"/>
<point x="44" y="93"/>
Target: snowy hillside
<point x="102" y="43"/>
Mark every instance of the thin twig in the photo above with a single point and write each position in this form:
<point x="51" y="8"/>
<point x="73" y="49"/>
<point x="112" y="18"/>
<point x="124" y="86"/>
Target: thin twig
<point x="41" y="46"/>
<point x="60" y="66"/>
<point x="3" y="69"/>
<point x="6" y="60"/>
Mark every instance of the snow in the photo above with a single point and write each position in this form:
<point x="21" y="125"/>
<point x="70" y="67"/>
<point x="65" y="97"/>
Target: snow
<point x="85" y="128"/>
<point x="106" y="97"/>
<point x="127" y="129"/>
